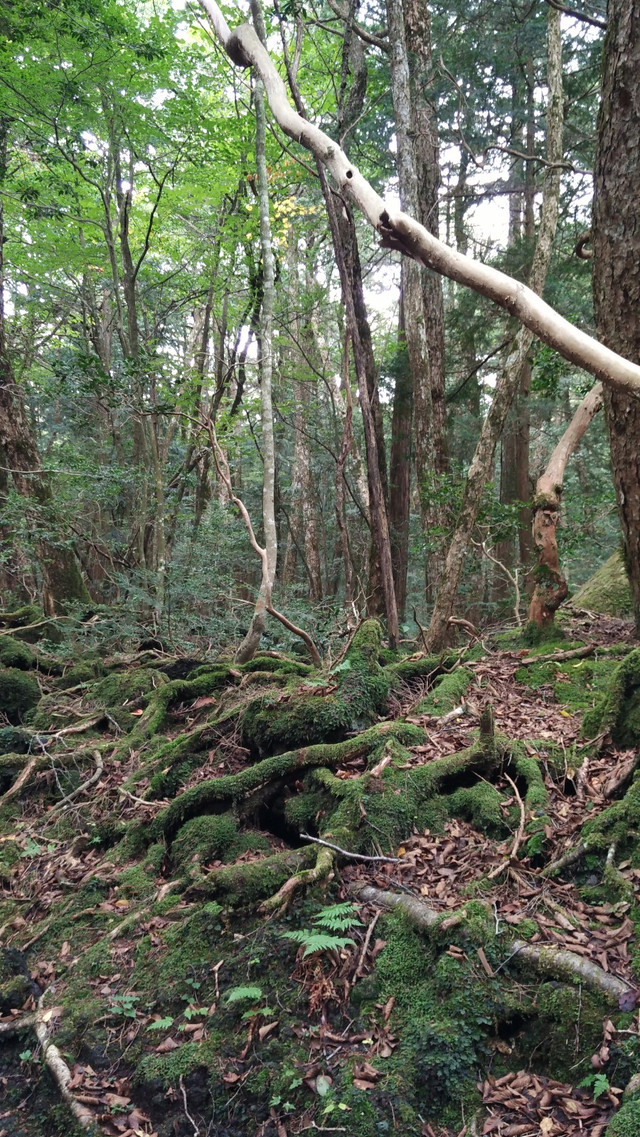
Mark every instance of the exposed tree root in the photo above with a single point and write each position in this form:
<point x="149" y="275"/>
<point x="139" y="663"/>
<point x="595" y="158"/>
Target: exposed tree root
<point x="60" y="1072"/>
<point x="232" y="787"/>
<point x="563" y="862"/>
<point x="321" y="871"/>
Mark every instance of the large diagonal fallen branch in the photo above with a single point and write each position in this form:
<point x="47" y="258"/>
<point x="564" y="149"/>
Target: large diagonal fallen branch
<point x="404" y="233"/>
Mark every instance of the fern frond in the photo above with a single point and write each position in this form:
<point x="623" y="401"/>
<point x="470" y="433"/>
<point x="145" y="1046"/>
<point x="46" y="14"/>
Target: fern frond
<point x="317" y="941"/>
<point x="338" y="917"/>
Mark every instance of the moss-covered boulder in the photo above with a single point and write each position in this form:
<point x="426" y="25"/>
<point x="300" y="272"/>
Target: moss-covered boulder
<point x="19" y="692"/>
<point x="618" y="711"/>
<point x="13" y="653"/>
<point x="13" y="740"/>
<point x="608" y="591"/>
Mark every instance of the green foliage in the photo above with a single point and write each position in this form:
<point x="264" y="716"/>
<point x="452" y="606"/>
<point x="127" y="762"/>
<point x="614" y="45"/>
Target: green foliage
<point x="336" y="918"/>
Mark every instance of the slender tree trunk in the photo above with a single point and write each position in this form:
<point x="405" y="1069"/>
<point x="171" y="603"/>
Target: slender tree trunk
<point x="551" y="585"/>
<point x="482" y="463"/>
<point x="616" y="258"/>
<point x="251" y="642"/>
<point x="400" y="472"/>
<point x="421" y="292"/>
<point x="62" y="581"/>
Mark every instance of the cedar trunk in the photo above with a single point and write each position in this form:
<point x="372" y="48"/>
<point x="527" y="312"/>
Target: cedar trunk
<point x="616" y="259"/>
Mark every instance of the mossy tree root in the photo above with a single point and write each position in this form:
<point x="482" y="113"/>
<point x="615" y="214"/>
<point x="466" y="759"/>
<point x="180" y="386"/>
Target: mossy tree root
<point x="245" y="884"/>
<point x="321" y="871"/>
<point x="233" y="787"/>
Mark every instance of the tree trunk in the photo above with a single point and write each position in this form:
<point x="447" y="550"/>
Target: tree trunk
<point x="482" y="464"/>
<point x="551" y="586"/>
<point x="616" y="258"/>
<point x="251" y="642"/>
<point x="400" y="472"/>
<point x="421" y="292"/>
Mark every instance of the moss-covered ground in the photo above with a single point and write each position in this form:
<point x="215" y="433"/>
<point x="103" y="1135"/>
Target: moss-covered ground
<point x="177" y="899"/>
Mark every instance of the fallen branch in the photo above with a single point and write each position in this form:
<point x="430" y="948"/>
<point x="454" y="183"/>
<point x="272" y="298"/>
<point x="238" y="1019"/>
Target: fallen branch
<point x="21" y="1022"/>
<point x="558" y="656"/>
<point x="21" y="779"/>
<point x="553" y="960"/>
<point x="568" y="858"/>
<point x="95" y="777"/>
<point x="60" y="1072"/>
<point x="519" y="837"/>
<point x="557" y="961"/>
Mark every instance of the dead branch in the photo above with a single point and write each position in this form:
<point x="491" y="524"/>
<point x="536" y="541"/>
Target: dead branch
<point x="558" y="656"/>
<point x="21" y="779"/>
<point x="568" y="858"/>
<point x="558" y="961"/>
<point x="95" y="777"/>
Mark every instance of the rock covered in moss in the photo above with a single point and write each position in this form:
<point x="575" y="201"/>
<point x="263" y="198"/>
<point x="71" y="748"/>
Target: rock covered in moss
<point x="618" y="711"/>
<point x="13" y="740"/>
<point x="15" y="654"/>
<point x="608" y="591"/>
<point x="19" y="692"/>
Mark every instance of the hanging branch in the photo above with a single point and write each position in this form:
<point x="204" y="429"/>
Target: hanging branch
<point x="404" y="233"/>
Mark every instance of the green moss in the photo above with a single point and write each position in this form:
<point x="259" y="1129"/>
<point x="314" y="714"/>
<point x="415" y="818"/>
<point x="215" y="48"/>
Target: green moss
<point x="608" y="591"/>
<point x="81" y="673"/>
<point x="19" y="692"/>
<point x="479" y="804"/>
<point x="14" y="741"/>
<point x="272" y="723"/>
<point x="564" y="1024"/>
<point x="16" y="654"/>
<point x="213" y="837"/>
<point x="618" y="711"/>
<point x="534" y="636"/>
<point x="625" y="1123"/>
<point x="447" y="692"/>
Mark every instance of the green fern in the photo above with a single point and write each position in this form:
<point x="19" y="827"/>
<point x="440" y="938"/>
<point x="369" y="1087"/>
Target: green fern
<point x="317" y="941"/>
<point x="337" y="917"/>
<point x="237" y="994"/>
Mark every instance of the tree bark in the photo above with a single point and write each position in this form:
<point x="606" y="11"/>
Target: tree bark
<point x="251" y="642"/>
<point x="404" y="233"/>
<point x="482" y="463"/>
<point x="400" y="471"/>
<point x="417" y="164"/>
<point x="616" y="259"/>
<point x="551" y="585"/>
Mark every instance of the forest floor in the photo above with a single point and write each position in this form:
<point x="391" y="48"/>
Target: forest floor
<point x="180" y="957"/>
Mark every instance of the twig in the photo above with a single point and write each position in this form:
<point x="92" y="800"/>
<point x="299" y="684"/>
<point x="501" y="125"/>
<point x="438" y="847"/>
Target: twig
<point x="95" y="777"/>
<point x="518" y="837"/>
<point x="21" y="779"/>
<point x="347" y="853"/>
<point x="365" y="946"/>
<point x="512" y="577"/>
